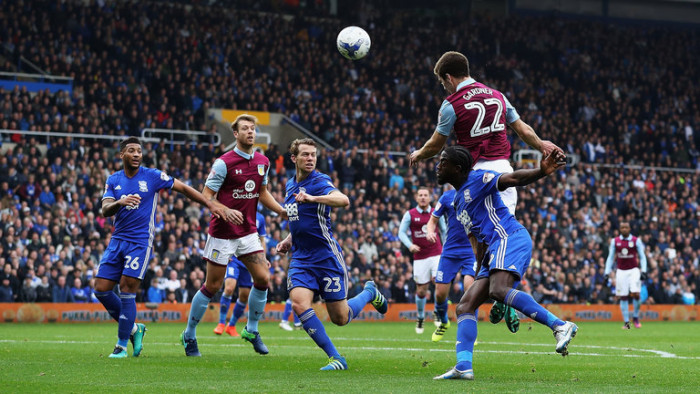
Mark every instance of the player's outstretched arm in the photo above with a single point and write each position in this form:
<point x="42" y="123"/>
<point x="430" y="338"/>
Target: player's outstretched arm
<point x="335" y="199"/>
<point x="528" y="135"/>
<point x="216" y="209"/>
<point x="548" y="165"/>
<point x="431" y="148"/>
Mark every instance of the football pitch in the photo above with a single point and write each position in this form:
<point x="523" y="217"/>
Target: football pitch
<point x="383" y="357"/>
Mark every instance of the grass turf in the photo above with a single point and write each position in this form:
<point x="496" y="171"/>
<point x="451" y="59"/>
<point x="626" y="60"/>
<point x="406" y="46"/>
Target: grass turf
<point x="383" y="357"/>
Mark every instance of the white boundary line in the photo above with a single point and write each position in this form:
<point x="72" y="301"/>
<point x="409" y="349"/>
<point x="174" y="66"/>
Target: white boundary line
<point x="654" y="353"/>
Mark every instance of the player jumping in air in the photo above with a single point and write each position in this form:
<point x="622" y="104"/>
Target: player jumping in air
<point x="479" y="115"/>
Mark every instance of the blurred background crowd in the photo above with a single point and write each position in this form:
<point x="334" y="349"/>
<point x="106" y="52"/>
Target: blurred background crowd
<point x="621" y="97"/>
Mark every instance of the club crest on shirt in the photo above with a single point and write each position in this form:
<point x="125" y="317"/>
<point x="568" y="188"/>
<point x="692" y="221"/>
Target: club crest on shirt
<point x="488" y="176"/>
<point x="261" y="169"/>
<point x="631" y="244"/>
<point x="467" y="196"/>
<point x="143" y="186"/>
<point x="164" y="176"/>
<point x="106" y="187"/>
<point x="249" y="185"/>
<point x="302" y="190"/>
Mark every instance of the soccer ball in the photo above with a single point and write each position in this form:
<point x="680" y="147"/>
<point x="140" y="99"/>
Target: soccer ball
<point x="353" y="42"/>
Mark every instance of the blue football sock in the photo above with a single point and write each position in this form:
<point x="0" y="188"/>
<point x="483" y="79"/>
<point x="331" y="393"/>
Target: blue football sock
<point x="441" y="309"/>
<point x="287" y="310"/>
<point x="127" y="315"/>
<point x="238" y="310"/>
<point x="358" y="302"/>
<point x="529" y="307"/>
<point x="296" y="319"/>
<point x="197" y="309"/>
<point x="420" y="306"/>
<point x="636" y="304"/>
<point x="111" y="302"/>
<point x="466" y="336"/>
<point x="223" y="308"/>
<point x="625" y="308"/>
<point x="256" y="306"/>
<point x="317" y="332"/>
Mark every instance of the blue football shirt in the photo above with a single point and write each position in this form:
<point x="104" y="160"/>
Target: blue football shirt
<point x="310" y="223"/>
<point x="481" y="210"/>
<point x="457" y="241"/>
<point x="137" y="224"/>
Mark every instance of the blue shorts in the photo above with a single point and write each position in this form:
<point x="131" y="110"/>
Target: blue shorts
<point x="237" y="270"/>
<point x="328" y="277"/>
<point x="450" y="265"/>
<point x="123" y="258"/>
<point x="512" y="254"/>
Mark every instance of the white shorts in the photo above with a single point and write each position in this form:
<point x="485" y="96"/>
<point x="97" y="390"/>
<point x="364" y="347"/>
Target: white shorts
<point x="627" y="281"/>
<point x="510" y="195"/>
<point x="425" y="269"/>
<point x="220" y="251"/>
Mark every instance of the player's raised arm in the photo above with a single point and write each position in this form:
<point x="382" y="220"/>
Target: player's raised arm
<point x="548" y="165"/>
<point x="528" y="135"/>
<point x="431" y="148"/>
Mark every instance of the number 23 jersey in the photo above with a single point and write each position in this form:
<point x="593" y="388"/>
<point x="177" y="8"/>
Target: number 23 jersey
<point x="310" y="223"/>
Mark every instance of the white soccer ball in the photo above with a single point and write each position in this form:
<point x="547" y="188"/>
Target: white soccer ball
<point x="353" y="42"/>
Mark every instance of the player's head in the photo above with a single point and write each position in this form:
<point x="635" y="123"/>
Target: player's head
<point x="625" y="228"/>
<point x="423" y="197"/>
<point x="304" y="153"/>
<point x="450" y="67"/>
<point x="454" y="165"/>
<point x="244" y="130"/>
<point x="130" y="152"/>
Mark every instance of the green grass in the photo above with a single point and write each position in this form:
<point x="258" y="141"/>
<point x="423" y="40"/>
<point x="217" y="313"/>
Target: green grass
<point x="383" y="357"/>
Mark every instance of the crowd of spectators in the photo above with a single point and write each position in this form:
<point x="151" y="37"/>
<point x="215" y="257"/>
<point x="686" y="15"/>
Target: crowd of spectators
<point x="613" y="94"/>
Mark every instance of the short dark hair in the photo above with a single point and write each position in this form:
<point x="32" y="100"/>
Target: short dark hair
<point x="460" y="156"/>
<point x="294" y="147"/>
<point x="453" y="63"/>
<point x="130" y="140"/>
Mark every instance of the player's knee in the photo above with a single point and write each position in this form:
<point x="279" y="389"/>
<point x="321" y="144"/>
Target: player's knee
<point x="339" y="319"/>
<point x="497" y="293"/>
<point x="462" y="308"/>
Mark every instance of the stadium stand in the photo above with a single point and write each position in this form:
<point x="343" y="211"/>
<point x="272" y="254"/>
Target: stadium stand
<point x="621" y="97"/>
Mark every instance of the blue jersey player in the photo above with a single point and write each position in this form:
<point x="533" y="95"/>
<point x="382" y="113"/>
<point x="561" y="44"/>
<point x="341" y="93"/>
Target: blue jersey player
<point x="487" y="219"/>
<point x="317" y="264"/>
<point x="237" y="275"/>
<point x="457" y="256"/>
<point x="131" y="195"/>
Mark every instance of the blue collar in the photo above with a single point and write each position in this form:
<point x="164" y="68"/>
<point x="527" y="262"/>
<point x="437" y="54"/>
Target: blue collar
<point x="466" y="82"/>
<point x="243" y="154"/>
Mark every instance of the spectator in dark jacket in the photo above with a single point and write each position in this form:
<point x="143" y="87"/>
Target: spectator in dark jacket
<point x="61" y="292"/>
